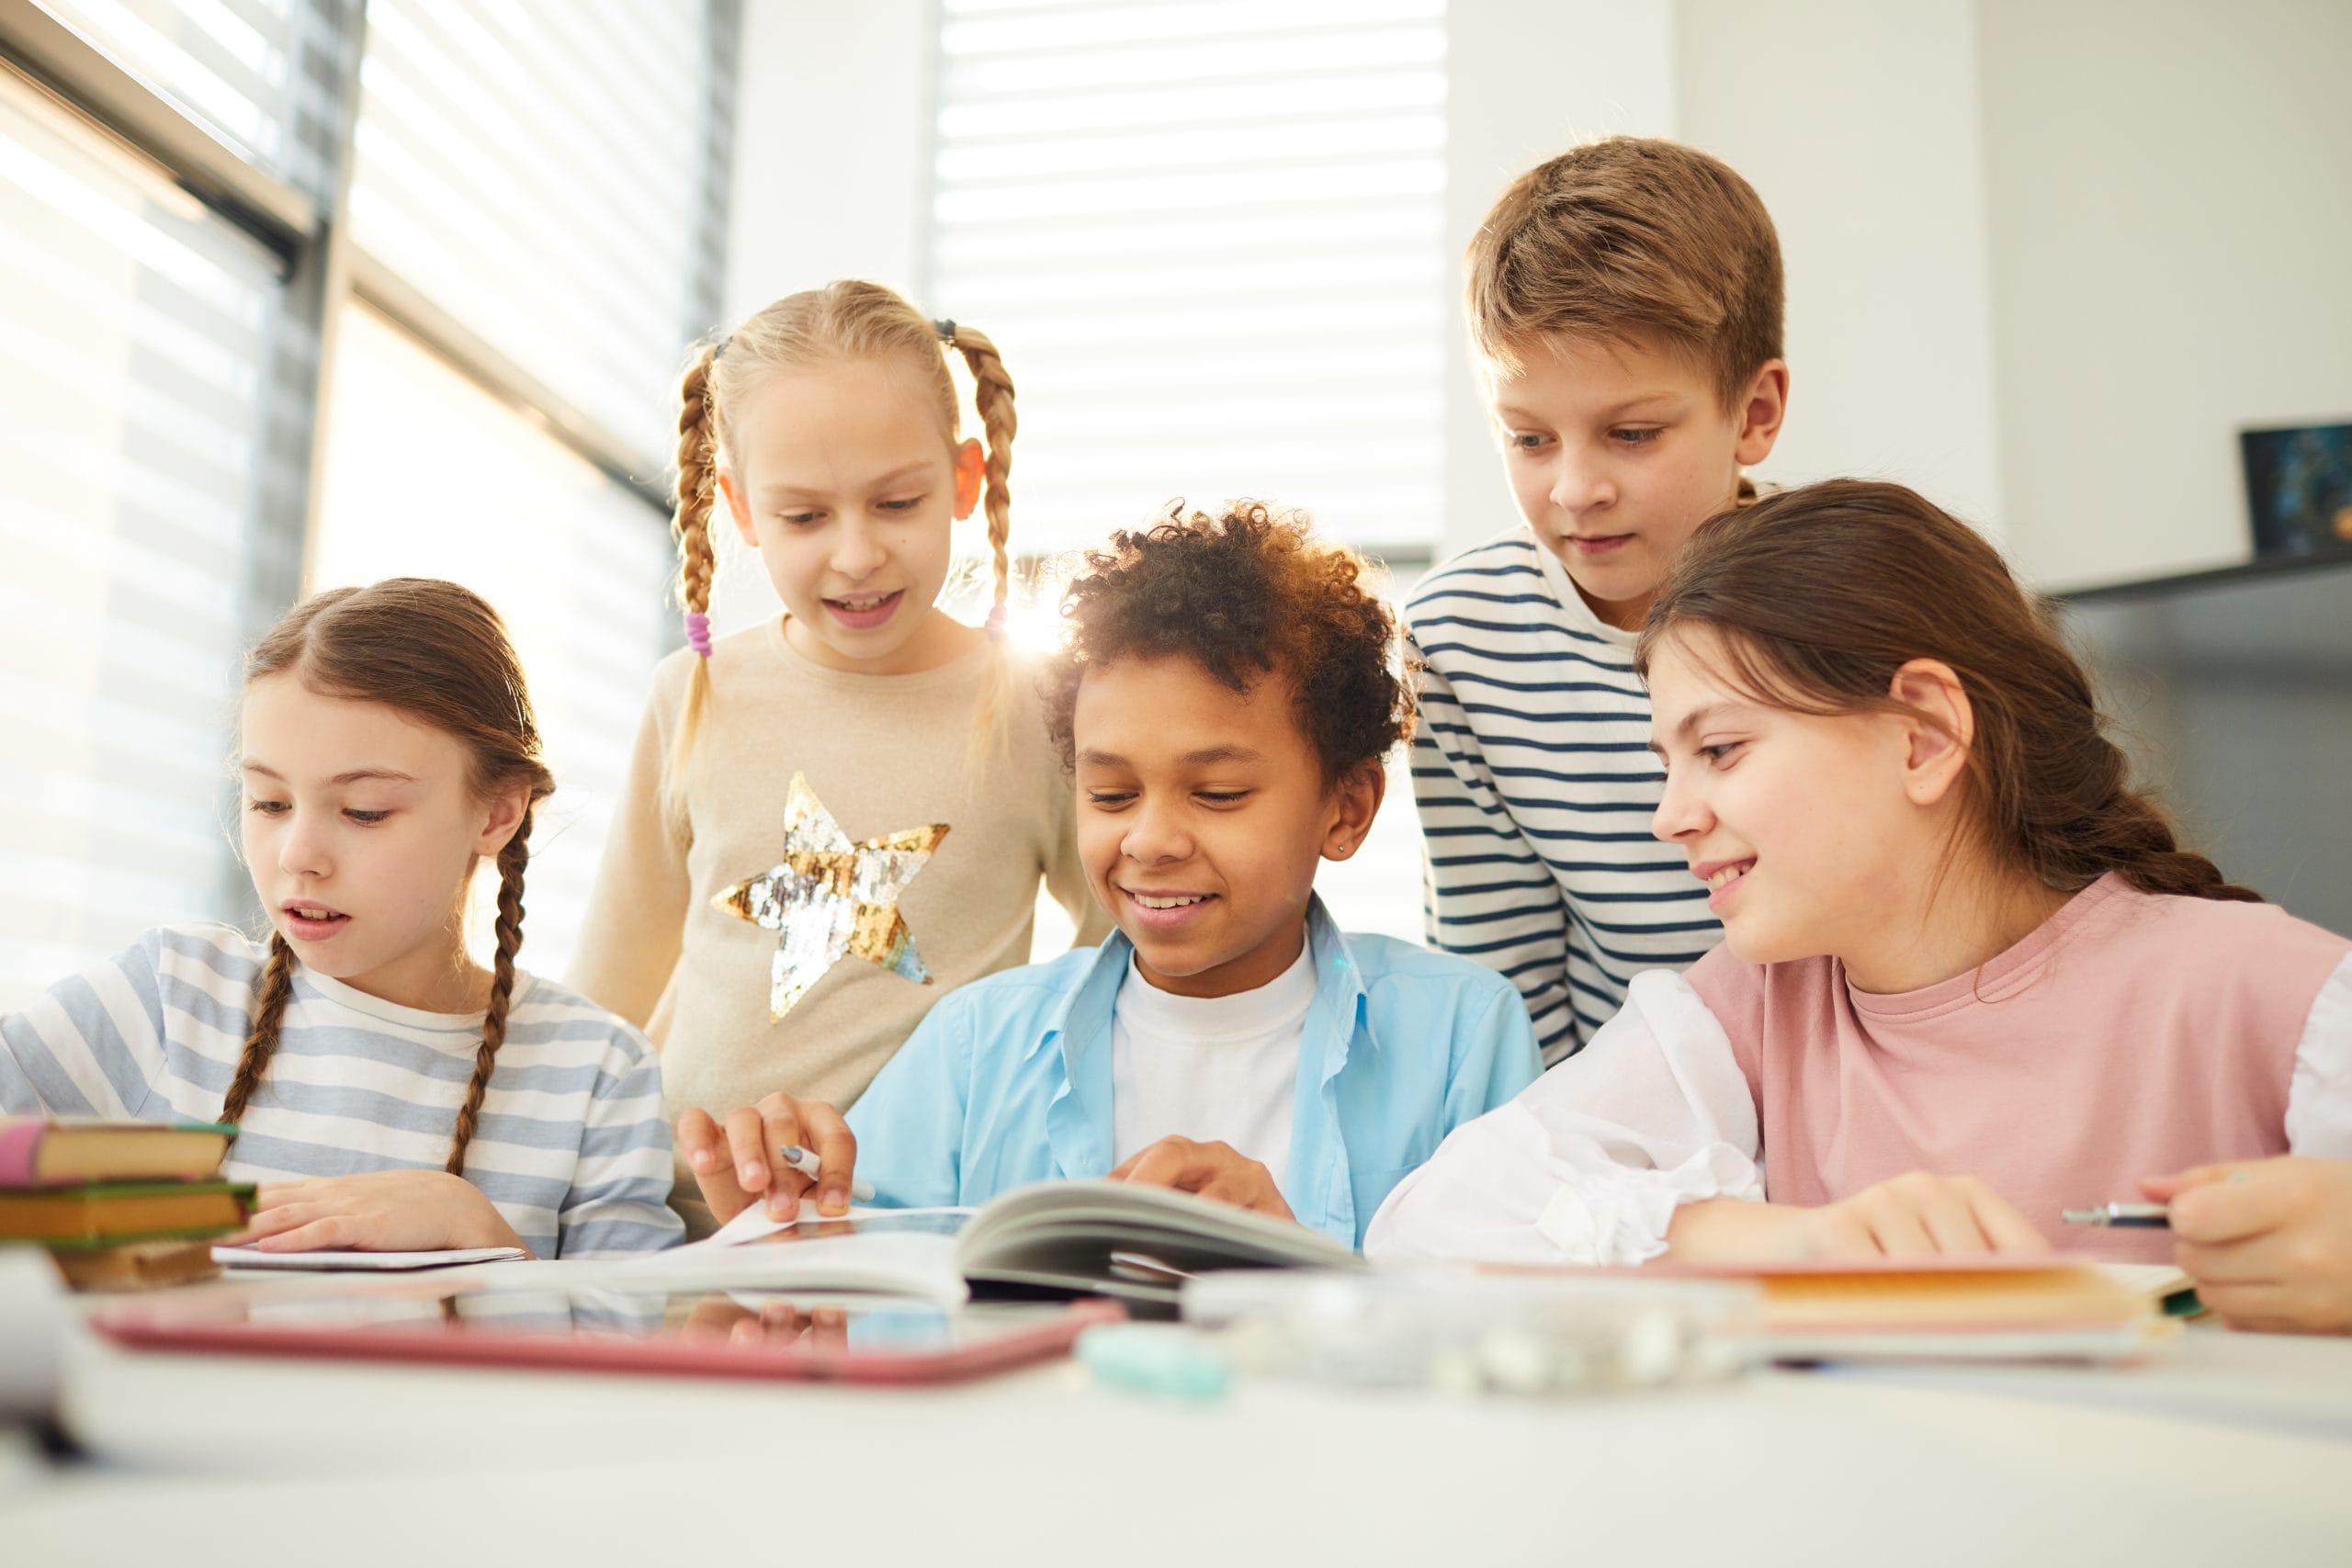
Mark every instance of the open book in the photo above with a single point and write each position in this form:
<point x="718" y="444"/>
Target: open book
<point x="1094" y="1237"/>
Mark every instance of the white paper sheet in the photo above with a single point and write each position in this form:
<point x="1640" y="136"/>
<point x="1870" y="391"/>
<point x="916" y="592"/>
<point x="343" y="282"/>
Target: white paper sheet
<point x="906" y="1252"/>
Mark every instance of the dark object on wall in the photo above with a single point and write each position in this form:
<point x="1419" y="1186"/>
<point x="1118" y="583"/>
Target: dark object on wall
<point x="2299" y="488"/>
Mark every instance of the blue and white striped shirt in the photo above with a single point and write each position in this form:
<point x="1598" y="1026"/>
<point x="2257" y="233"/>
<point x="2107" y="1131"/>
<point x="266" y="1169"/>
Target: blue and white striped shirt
<point x="1536" y="786"/>
<point x="571" y="1145"/>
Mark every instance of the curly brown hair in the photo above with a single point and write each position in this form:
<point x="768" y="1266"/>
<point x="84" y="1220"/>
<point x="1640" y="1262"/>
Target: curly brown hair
<point x="1247" y="593"/>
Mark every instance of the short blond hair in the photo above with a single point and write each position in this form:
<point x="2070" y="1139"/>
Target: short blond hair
<point x="1625" y="237"/>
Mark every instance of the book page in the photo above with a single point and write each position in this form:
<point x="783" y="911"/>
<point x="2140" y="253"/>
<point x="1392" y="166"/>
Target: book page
<point x="907" y="1252"/>
<point x="753" y="1224"/>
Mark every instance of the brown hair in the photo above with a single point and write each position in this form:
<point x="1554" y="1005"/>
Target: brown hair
<point x="846" y="319"/>
<point x="1819" y="595"/>
<point x="439" y="655"/>
<point x="1629" y="235"/>
<point x="1246" y="594"/>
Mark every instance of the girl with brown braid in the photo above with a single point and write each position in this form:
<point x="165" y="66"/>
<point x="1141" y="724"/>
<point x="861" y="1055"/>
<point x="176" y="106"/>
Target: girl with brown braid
<point x="1970" y="978"/>
<point x="823" y="431"/>
<point x="391" y="1093"/>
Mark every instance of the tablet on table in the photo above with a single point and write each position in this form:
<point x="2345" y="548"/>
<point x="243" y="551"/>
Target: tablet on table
<point x="732" y="1334"/>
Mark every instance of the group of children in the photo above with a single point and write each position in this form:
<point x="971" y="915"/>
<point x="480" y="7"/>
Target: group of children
<point x="1782" y="828"/>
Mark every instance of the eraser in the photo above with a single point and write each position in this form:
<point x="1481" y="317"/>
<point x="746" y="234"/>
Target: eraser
<point x="1161" y="1359"/>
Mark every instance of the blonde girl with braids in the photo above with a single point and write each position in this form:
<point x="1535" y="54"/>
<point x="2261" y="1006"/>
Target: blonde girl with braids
<point x="391" y="1093"/>
<point x="823" y="432"/>
<point x="1970" y="978"/>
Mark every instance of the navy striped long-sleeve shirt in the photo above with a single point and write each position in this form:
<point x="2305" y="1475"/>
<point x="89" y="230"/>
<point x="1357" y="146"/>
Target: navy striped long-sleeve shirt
<point x="1535" y="785"/>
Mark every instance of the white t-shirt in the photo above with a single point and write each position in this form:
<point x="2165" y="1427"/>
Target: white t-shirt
<point x="1209" y="1069"/>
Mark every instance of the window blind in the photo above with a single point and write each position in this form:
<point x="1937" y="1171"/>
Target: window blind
<point x="1208" y="238"/>
<point x="577" y="564"/>
<point x="553" y="177"/>
<point x="264" y="76"/>
<point x="135" y="332"/>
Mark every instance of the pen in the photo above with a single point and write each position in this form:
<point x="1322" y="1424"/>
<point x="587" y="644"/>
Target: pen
<point x="805" y="1162"/>
<point x="2130" y="1216"/>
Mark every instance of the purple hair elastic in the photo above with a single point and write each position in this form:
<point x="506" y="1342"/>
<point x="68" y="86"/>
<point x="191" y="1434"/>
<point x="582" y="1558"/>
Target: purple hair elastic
<point x="698" y="632"/>
<point x="996" y="621"/>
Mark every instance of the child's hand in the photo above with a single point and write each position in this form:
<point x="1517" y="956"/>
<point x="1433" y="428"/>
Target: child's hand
<point x="774" y="1324"/>
<point x="378" y="1211"/>
<point x="1212" y="1170"/>
<point x="735" y="1165"/>
<point x="1917" y="1216"/>
<point x="2268" y="1242"/>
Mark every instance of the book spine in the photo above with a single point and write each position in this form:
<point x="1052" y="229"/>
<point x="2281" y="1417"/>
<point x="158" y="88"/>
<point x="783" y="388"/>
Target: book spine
<point x="95" y="1242"/>
<point x="20" y="1150"/>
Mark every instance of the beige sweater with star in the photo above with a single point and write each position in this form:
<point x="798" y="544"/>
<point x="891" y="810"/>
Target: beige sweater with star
<point x="882" y="752"/>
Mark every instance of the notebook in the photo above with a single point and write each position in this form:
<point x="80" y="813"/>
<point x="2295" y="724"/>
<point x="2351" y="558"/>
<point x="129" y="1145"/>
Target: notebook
<point x="2053" y="1307"/>
<point x="344" y="1261"/>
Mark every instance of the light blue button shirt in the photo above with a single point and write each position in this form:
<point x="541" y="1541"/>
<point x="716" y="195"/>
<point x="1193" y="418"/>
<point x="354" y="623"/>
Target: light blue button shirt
<point x="1008" y="1080"/>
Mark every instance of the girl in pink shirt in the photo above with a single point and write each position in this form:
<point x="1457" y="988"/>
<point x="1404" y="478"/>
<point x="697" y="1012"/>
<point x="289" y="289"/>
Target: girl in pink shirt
<point x="1969" y="978"/>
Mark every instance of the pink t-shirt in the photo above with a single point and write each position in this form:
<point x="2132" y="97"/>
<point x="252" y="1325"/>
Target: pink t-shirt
<point x="2133" y="1033"/>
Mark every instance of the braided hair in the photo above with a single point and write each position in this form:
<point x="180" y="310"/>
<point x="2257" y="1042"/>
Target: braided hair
<point x="847" y="320"/>
<point x="438" y="654"/>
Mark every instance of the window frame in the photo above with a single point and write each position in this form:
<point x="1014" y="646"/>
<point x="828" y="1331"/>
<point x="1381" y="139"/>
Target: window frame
<point x="323" y="269"/>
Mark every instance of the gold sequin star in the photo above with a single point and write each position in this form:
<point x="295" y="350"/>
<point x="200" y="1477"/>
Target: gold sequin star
<point x="830" y="899"/>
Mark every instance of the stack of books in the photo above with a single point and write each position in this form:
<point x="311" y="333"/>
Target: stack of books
<point x="119" y="1205"/>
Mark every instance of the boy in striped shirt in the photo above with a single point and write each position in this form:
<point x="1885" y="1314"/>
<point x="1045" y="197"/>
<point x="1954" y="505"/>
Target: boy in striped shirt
<point x="1625" y="305"/>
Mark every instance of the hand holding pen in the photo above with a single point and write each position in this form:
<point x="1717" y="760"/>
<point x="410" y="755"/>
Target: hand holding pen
<point x="2268" y="1242"/>
<point x="778" y="1150"/>
<point x="2122" y="1216"/>
<point x="810" y="1164"/>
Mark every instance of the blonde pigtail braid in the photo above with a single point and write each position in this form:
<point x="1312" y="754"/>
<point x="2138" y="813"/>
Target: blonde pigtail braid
<point x="260" y="1043"/>
<point x="992" y="395"/>
<point x="691" y="500"/>
<point x="512" y="860"/>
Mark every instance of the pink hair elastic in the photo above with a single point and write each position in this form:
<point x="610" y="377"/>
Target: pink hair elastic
<point x="698" y="632"/>
<point x="996" y="621"/>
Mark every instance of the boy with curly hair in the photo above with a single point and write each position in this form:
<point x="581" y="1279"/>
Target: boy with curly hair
<point x="1624" y="306"/>
<point x="1226" y="701"/>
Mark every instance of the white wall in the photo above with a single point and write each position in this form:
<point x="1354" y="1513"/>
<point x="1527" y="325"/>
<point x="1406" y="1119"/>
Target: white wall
<point x="833" y="146"/>
<point x="2044" y="256"/>
<point x="1857" y="123"/>
<point x="1529" y="79"/>
<point x="2171" y="216"/>
<point x="832" y="179"/>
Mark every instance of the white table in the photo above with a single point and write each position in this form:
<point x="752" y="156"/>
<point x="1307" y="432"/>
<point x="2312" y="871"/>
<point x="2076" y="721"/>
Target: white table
<point x="2236" y="1449"/>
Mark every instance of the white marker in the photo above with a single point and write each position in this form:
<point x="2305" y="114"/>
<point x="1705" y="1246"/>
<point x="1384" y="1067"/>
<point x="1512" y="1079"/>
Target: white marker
<point x="805" y="1162"/>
